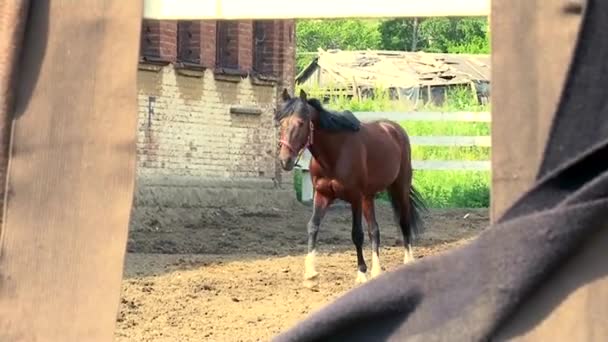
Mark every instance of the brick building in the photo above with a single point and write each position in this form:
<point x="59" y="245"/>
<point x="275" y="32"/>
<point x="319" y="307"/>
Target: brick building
<point x="207" y="90"/>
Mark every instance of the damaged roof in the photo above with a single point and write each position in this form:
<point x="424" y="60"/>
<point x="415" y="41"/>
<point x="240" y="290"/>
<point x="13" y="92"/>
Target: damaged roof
<point x="401" y="69"/>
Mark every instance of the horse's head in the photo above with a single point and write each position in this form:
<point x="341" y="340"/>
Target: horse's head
<point x="295" y="118"/>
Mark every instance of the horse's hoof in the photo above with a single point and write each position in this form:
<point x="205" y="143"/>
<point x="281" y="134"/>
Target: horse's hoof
<point x="311" y="282"/>
<point x="361" y="278"/>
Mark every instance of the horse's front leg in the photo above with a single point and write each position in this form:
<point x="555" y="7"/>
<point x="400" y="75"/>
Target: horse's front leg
<point x="321" y="203"/>
<point x="358" y="237"/>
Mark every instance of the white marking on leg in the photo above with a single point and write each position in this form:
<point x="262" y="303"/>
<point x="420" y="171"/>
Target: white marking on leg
<point x="309" y="265"/>
<point x="361" y="278"/>
<point x="409" y="255"/>
<point x="311" y="277"/>
<point x="376" y="268"/>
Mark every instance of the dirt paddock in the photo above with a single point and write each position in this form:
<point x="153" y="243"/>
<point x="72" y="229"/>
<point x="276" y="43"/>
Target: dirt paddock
<point x="236" y="275"/>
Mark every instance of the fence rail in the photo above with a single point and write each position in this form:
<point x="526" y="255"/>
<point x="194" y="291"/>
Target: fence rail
<point x="426" y="116"/>
<point x="482" y="141"/>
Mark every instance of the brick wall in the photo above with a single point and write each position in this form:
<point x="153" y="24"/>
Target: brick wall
<point x="186" y="127"/>
<point x="157" y="40"/>
<point x="206" y="97"/>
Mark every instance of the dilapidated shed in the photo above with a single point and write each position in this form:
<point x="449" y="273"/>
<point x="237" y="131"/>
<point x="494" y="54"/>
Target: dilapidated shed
<point x="416" y="77"/>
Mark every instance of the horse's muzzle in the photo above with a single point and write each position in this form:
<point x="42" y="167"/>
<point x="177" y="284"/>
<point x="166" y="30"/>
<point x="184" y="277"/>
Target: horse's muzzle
<point x="287" y="164"/>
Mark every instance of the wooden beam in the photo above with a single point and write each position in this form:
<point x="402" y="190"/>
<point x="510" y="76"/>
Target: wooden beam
<point x="451" y="165"/>
<point x="71" y="172"/>
<point x="526" y="85"/>
<point x="320" y="9"/>
<point x="452" y="141"/>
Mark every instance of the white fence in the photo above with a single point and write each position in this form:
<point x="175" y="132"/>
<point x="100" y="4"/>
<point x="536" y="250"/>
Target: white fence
<point x="484" y="141"/>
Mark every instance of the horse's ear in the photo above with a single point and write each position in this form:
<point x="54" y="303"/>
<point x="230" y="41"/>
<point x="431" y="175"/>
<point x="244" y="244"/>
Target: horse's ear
<point x="302" y="94"/>
<point x="285" y="95"/>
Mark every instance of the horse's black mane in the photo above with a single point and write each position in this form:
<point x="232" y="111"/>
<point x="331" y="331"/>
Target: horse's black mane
<point x="328" y="120"/>
<point x="333" y="120"/>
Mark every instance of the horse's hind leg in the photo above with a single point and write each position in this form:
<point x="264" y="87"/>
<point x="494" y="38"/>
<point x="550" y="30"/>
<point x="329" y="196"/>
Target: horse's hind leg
<point x="374" y="234"/>
<point x="321" y="203"/>
<point x="399" y="196"/>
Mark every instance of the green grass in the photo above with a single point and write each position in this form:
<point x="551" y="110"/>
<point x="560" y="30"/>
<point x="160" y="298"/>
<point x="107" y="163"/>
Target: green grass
<point x="438" y="128"/>
<point x="452" y="189"/>
<point x="440" y="189"/>
<point x="460" y="189"/>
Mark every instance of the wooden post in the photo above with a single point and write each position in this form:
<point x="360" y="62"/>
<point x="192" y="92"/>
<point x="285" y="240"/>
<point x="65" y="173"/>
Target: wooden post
<point x="12" y="26"/>
<point x="71" y="171"/>
<point x="570" y="305"/>
<point x="528" y="73"/>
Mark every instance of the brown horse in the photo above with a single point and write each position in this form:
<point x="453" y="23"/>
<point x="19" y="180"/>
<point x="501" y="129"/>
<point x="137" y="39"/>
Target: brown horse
<point x="351" y="161"/>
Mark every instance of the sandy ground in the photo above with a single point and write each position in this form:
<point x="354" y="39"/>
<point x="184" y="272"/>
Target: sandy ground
<point x="236" y="276"/>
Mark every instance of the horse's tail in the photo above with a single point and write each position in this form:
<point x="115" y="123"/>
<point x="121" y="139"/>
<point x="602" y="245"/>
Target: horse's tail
<point x="417" y="206"/>
<point x="408" y="207"/>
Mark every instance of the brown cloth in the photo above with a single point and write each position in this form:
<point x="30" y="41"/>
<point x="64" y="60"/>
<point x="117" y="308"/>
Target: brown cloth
<point x="539" y="273"/>
<point x="13" y="15"/>
<point x="68" y="90"/>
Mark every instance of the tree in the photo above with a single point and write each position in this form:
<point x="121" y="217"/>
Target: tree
<point x="398" y="34"/>
<point x="344" y="34"/>
<point x="455" y="35"/>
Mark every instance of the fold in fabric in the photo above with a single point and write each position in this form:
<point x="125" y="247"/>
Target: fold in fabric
<point x="13" y="19"/>
<point x="466" y="294"/>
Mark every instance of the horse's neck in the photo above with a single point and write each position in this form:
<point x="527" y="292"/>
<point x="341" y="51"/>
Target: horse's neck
<point x="326" y="147"/>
